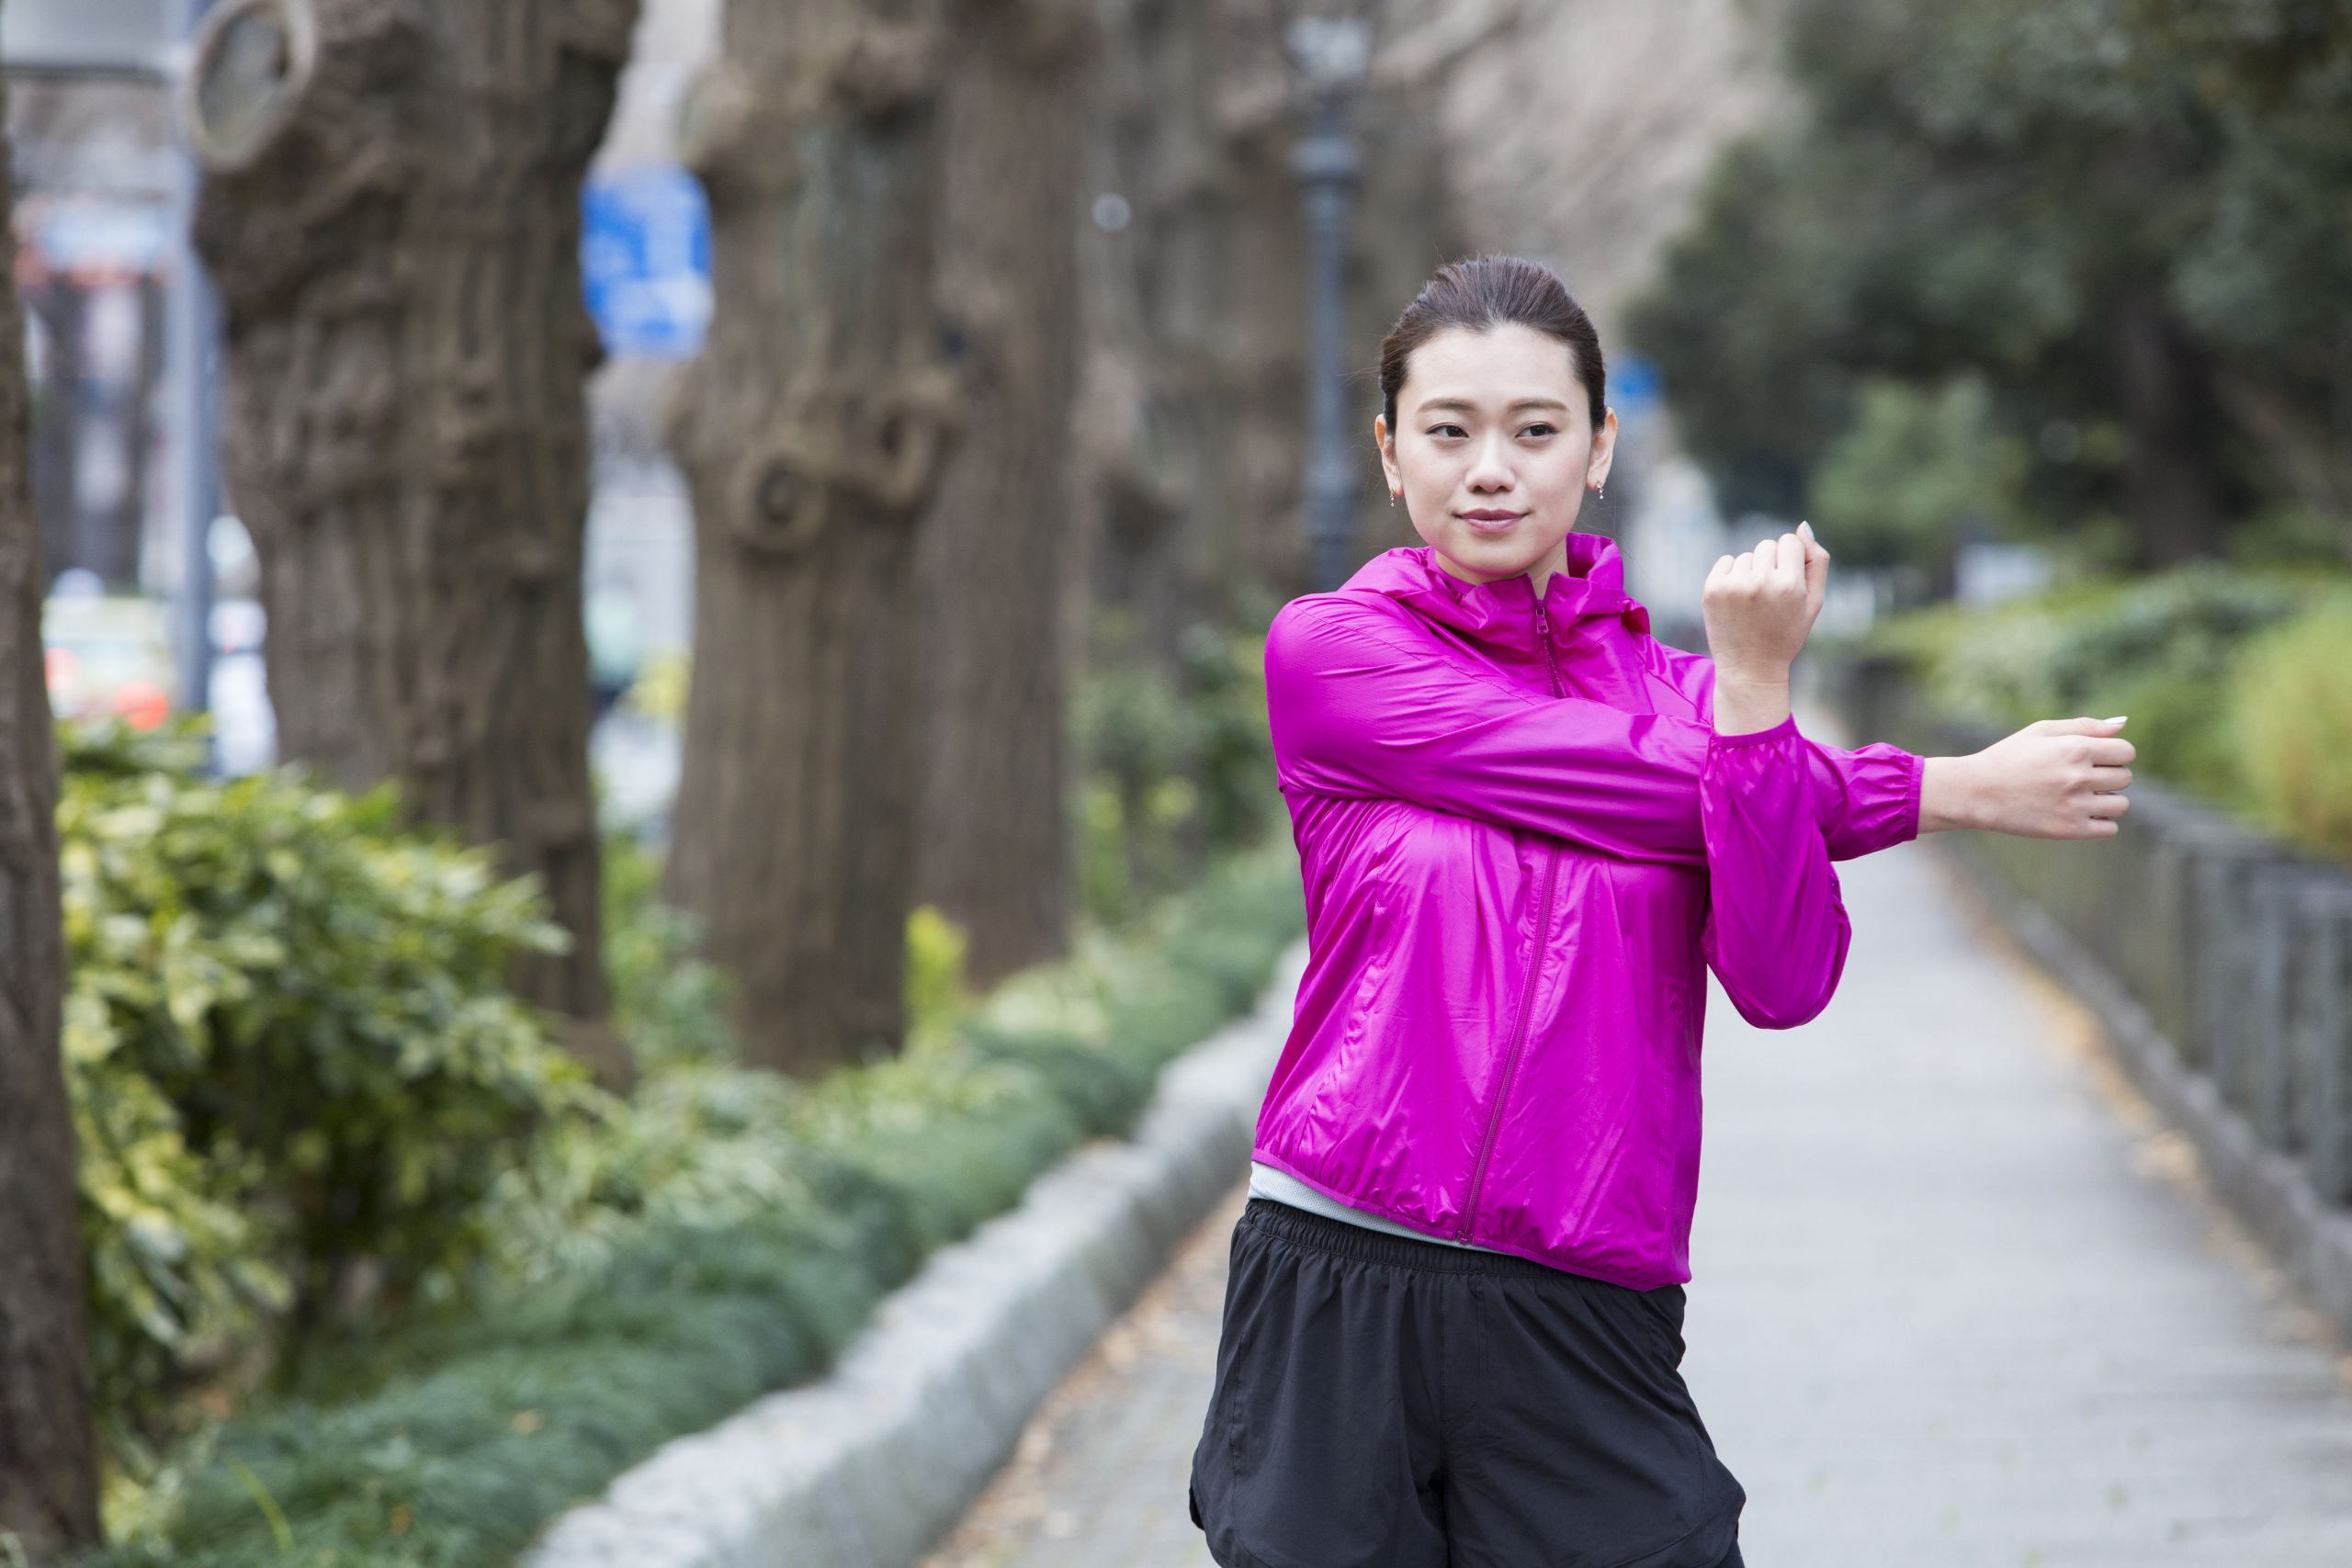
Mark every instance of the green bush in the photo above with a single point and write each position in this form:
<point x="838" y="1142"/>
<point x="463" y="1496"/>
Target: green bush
<point x="1175" y="765"/>
<point x="659" y="1263"/>
<point x="671" y="1006"/>
<point x="936" y="994"/>
<point x="289" y="1051"/>
<point x="2234" y="679"/>
<point x="1916" y="463"/>
<point x="2161" y="650"/>
<point x="2292" y="706"/>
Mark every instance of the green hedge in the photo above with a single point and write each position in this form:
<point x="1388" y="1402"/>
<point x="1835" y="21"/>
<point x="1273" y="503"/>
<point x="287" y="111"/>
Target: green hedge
<point x="2292" y="708"/>
<point x="662" y="1262"/>
<point x="1174" y="763"/>
<point x="2237" y="682"/>
<point x="289" y="1053"/>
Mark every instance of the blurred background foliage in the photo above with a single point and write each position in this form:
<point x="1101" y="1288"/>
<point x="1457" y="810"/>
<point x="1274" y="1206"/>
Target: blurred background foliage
<point x="2064" y="269"/>
<point x="1919" y="468"/>
<point x="1174" y="765"/>
<point x="2234" y="679"/>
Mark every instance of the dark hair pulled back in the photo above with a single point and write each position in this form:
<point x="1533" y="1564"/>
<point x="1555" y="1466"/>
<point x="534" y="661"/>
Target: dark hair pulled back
<point x="1487" y="292"/>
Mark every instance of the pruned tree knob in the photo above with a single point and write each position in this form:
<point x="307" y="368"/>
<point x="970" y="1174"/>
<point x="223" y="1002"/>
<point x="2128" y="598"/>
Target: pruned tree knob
<point x="252" y="61"/>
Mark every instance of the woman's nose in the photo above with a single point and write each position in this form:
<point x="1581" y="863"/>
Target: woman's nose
<point x="1492" y="470"/>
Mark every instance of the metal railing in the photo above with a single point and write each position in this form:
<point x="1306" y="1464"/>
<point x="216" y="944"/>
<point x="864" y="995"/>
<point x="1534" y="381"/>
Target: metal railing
<point x="2236" y="946"/>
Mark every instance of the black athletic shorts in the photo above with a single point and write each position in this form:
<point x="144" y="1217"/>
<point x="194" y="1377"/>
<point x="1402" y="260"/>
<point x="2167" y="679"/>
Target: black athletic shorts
<point x="1387" y="1402"/>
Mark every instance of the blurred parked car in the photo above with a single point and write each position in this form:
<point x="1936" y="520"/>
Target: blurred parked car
<point x="106" y="655"/>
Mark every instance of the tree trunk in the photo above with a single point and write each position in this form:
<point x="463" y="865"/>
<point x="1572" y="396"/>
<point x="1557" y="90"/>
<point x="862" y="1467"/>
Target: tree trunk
<point x="126" y="534"/>
<point x="1152" y="316"/>
<point x="2171" y="473"/>
<point x="2308" y="448"/>
<point x="1250" y="401"/>
<point x="49" y="1458"/>
<point x="1196" y="401"/>
<point x="993" y="850"/>
<point x="393" y="213"/>
<point x="57" y="433"/>
<point x="812" y="431"/>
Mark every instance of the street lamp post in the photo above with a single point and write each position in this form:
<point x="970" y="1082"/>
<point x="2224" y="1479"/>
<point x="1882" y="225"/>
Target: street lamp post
<point x="1330" y="56"/>
<point x="194" y="327"/>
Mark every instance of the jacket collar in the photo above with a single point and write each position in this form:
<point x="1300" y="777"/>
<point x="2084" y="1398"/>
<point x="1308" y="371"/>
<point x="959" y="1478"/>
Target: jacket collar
<point x="1501" y="614"/>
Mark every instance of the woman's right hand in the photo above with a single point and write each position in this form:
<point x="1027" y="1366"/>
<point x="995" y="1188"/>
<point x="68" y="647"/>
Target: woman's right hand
<point x="2057" y="778"/>
<point x="1759" y="606"/>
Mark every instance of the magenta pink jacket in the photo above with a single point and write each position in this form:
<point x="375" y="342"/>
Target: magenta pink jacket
<point x="1521" y="840"/>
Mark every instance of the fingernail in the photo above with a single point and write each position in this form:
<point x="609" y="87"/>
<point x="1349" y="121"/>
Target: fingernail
<point x="2116" y="719"/>
<point x="1806" y="529"/>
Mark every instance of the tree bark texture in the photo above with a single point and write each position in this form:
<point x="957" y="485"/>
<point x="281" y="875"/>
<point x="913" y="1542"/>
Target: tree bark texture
<point x="393" y="213"/>
<point x="2297" y="427"/>
<point x="48" y="1461"/>
<point x="2171" y="472"/>
<point x="812" y="431"/>
<point x="1164" y="326"/>
<point x="126" y="531"/>
<point x="992" y="565"/>
<point x="1410" y="223"/>
<point x="1194" y="406"/>
<point x="56" y="304"/>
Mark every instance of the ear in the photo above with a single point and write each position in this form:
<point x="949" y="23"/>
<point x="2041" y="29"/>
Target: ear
<point x="1604" y="450"/>
<point x="1386" y="444"/>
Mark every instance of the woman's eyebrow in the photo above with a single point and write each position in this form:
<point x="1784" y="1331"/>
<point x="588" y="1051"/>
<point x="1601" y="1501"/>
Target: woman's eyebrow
<point x="1468" y="407"/>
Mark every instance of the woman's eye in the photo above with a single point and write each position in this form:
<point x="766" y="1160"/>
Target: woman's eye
<point x="1544" y="425"/>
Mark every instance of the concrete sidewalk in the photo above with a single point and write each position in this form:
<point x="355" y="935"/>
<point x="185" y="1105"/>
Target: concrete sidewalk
<point x="1956" y="1302"/>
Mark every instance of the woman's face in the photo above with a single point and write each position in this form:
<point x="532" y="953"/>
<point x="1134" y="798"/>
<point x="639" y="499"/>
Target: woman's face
<point x="1493" y="449"/>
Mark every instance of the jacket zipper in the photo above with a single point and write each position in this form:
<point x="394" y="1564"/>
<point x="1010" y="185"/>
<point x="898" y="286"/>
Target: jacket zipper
<point x="1527" y="989"/>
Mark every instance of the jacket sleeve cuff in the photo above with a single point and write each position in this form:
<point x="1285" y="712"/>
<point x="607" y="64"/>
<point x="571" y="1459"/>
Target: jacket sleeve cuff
<point x="1787" y="727"/>
<point x="1866" y="799"/>
<point x="1882" y="797"/>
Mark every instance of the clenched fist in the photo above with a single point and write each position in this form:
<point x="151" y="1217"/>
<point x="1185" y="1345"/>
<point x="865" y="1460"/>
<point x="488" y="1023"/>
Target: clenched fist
<point x="2057" y="778"/>
<point x="1759" y="606"/>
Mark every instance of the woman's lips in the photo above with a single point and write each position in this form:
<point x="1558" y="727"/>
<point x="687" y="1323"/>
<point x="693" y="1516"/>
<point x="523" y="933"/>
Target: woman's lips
<point x="1490" y="521"/>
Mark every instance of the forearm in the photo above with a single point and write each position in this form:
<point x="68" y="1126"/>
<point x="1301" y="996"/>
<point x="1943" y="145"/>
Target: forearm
<point x="1776" y="933"/>
<point x="1867" y="798"/>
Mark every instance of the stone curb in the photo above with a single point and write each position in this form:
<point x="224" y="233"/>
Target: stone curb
<point x="869" y="1466"/>
<point x="2267" y="1190"/>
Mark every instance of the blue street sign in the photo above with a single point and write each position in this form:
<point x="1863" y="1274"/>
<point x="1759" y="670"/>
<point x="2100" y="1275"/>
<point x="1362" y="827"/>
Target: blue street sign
<point x="1633" y="381"/>
<point x="645" y="261"/>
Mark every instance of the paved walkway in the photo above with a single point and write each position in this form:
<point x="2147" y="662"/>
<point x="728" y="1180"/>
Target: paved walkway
<point x="1098" y="1479"/>
<point x="1951" y="1305"/>
<point x="1958" y="1301"/>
